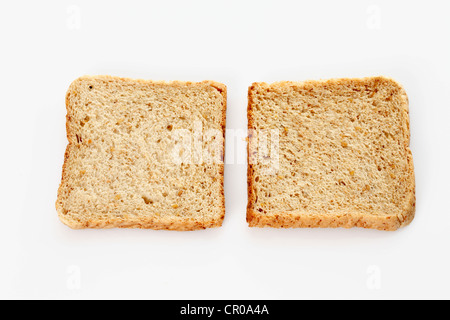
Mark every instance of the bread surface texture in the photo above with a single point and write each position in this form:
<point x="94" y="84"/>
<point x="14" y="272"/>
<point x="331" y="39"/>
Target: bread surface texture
<point x="138" y="156"/>
<point x="330" y="153"/>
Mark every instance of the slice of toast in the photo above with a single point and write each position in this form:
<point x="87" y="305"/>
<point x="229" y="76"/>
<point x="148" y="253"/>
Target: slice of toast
<point x="332" y="153"/>
<point x="143" y="154"/>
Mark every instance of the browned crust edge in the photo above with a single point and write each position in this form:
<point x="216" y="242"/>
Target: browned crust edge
<point x="301" y="220"/>
<point x="174" y="224"/>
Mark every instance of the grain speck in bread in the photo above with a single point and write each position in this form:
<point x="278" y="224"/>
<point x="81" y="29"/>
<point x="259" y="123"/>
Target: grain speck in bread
<point x="120" y="168"/>
<point x="342" y="155"/>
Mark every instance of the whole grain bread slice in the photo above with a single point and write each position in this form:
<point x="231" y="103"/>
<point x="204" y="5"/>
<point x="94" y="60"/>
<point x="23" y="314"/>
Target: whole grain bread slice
<point x="137" y="154"/>
<point x="335" y="153"/>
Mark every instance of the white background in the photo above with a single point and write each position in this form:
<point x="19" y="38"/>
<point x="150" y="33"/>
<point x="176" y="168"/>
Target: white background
<point x="47" y="44"/>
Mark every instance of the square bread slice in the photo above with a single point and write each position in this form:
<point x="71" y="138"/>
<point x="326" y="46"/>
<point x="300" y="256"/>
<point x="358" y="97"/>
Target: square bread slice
<point x="143" y="154"/>
<point x="330" y="153"/>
